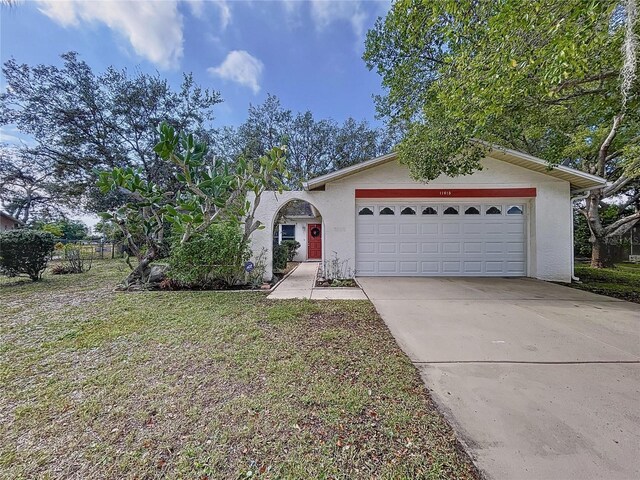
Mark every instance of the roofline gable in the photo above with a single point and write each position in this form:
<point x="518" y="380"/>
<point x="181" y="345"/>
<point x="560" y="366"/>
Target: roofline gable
<point x="347" y="171"/>
<point x="579" y="180"/>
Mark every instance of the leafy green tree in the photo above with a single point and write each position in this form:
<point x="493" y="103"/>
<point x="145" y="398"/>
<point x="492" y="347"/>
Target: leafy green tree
<point x="314" y="146"/>
<point x="355" y="142"/>
<point x="206" y="194"/>
<point x="553" y="79"/>
<point x="71" y="230"/>
<point x="80" y="121"/>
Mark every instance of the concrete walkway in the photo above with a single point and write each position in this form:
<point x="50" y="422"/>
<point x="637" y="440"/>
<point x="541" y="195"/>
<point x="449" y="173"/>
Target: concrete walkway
<point x="540" y="381"/>
<point x="301" y="284"/>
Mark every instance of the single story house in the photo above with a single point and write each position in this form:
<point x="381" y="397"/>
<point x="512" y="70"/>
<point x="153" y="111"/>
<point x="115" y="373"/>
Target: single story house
<point x="512" y="218"/>
<point x="8" y="222"/>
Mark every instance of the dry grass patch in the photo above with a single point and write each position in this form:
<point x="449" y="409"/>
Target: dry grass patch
<point x="97" y="384"/>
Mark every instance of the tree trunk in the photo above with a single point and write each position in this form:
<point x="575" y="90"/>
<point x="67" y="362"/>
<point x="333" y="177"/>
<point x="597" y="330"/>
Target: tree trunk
<point x="599" y="251"/>
<point x="140" y="274"/>
<point x="600" y="257"/>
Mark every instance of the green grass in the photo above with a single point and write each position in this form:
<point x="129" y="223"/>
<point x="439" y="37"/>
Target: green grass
<point x="622" y="281"/>
<point x="98" y="384"/>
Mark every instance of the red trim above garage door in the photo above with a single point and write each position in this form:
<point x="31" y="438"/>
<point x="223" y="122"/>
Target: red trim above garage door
<point x="445" y="192"/>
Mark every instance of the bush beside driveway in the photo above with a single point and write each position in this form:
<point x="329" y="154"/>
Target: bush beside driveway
<point x="98" y="384"/>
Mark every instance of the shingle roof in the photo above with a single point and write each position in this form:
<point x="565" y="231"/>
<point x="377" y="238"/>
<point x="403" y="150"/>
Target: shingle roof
<point x="298" y="208"/>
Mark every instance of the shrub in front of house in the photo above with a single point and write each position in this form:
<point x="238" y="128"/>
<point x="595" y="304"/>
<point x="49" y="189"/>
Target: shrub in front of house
<point x="25" y="252"/>
<point x="280" y="257"/>
<point x="213" y="259"/>
<point x="283" y="253"/>
<point x="292" y="248"/>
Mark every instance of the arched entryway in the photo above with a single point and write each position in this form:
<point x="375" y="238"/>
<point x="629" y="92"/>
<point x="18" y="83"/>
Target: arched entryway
<point x="299" y="222"/>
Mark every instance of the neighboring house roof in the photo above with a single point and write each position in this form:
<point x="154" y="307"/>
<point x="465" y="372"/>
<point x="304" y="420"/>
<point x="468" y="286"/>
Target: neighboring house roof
<point x="10" y="217"/>
<point x="578" y="180"/>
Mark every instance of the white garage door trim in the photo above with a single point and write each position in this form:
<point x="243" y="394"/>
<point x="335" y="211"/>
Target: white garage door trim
<point x="413" y="238"/>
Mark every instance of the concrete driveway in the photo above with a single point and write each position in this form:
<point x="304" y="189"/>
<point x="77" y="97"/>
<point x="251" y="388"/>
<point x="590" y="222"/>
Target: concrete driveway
<point x="539" y="380"/>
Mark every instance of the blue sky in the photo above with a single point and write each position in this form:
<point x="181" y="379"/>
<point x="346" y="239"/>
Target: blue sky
<point x="308" y="53"/>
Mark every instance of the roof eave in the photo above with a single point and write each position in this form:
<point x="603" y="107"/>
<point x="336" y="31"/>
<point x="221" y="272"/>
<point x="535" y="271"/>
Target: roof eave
<point x="578" y="189"/>
<point x="580" y="181"/>
<point x="345" y="172"/>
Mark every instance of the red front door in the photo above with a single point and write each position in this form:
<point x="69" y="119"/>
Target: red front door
<point x="314" y="241"/>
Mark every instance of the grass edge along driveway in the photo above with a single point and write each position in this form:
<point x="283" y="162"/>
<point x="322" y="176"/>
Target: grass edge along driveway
<point x="622" y="281"/>
<point x="97" y="384"/>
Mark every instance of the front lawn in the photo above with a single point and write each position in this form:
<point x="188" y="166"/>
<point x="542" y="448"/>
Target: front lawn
<point x="622" y="281"/>
<point x="202" y="385"/>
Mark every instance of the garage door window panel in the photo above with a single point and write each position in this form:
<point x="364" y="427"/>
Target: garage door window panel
<point x="408" y="211"/>
<point x="472" y="210"/>
<point x="515" y="210"/>
<point x="430" y="210"/>
<point x="451" y="211"/>
<point x="494" y="210"/>
<point x="387" y="210"/>
<point x="365" y="211"/>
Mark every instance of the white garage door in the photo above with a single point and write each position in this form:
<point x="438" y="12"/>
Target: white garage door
<point x="452" y="239"/>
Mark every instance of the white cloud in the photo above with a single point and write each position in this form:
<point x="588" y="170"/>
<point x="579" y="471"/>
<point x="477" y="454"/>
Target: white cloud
<point x="324" y="12"/>
<point x="240" y="67"/>
<point x="225" y="13"/>
<point x="196" y="7"/>
<point x="198" y="10"/>
<point x="154" y="29"/>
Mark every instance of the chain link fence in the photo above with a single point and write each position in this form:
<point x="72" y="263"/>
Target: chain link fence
<point x="98" y="250"/>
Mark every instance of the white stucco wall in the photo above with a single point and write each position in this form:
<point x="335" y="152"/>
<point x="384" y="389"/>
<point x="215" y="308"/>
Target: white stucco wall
<point x="549" y="214"/>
